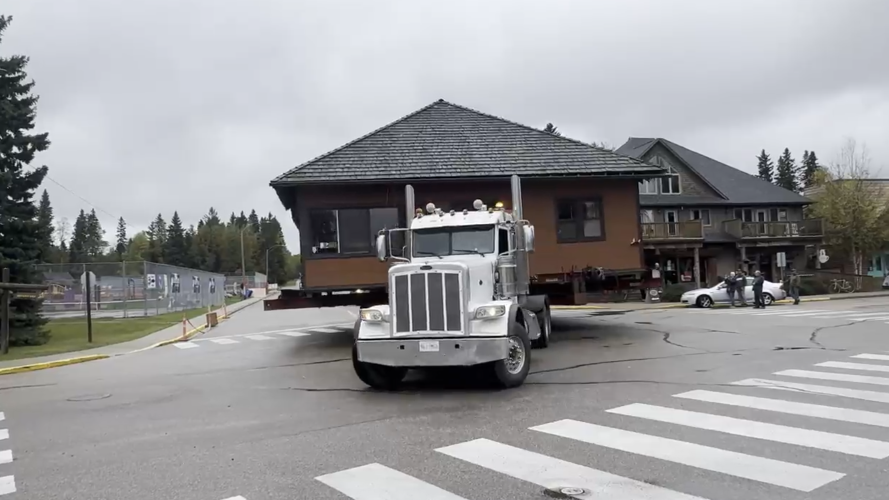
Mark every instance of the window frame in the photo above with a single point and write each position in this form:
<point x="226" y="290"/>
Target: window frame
<point x="649" y="182"/>
<point x="671" y="172"/>
<point x="705" y="223"/>
<point x="577" y="205"/>
<point x="310" y="233"/>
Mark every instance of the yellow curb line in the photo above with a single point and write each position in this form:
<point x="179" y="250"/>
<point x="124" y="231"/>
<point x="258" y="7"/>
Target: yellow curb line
<point x="51" y="364"/>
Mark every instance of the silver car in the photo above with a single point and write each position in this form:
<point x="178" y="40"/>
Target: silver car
<point x="706" y="297"/>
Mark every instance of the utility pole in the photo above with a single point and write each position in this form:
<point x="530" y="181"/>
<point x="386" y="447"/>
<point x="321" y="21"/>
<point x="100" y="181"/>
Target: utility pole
<point x="267" y="262"/>
<point x="243" y="261"/>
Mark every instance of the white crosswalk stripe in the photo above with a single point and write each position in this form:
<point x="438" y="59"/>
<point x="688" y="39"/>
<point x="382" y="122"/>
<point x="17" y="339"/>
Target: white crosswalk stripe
<point x="258" y="336"/>
<point x="7" y="485"/>
<point x="186" y="345"/>
<point x="239" y="497"/>
<point x="224" y="341"/>
<point x="583" y="482"/>
<point x="808" y="314"/>
<point x="294" y="334"/>
<point x="5" y="456"/>
<point x="4" y="434"/>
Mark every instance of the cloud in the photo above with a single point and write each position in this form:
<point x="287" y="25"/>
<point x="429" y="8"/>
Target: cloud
<point x="182" y="105"/>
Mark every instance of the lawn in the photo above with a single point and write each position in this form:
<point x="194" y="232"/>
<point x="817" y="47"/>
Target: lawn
<point x="70" y="334"/>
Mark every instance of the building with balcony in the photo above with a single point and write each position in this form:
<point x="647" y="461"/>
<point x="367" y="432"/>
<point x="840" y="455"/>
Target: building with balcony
<point x="707" y="218"/>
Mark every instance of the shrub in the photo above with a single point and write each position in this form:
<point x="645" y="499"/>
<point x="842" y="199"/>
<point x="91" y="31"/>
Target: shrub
<point x="672" y="293"/>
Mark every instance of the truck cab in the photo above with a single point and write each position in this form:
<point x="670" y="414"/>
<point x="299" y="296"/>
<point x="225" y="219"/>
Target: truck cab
<point x="458" y="296"/>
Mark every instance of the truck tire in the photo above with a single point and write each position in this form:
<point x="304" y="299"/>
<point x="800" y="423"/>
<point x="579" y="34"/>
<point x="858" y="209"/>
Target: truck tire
<point x="546" y="328"/>
<point x="380" y="377"/>
<point x="512" y="371"/>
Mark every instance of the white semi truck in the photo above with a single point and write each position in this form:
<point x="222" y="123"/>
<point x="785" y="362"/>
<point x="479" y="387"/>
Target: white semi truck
<point x="458" y="296"/>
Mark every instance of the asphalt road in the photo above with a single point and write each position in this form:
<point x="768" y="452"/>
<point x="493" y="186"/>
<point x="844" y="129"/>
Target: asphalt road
<point x="266" y="403"/>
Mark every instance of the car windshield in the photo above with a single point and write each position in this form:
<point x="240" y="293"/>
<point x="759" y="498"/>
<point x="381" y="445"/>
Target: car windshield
<point x="459" y="240"/>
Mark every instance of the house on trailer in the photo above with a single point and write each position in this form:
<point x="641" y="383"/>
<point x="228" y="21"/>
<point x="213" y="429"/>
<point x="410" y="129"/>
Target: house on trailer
<point x="710" y="216"/>
<point x="583" y="200"/>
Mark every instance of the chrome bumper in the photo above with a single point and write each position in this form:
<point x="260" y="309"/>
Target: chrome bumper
<point x="451" y="352"/>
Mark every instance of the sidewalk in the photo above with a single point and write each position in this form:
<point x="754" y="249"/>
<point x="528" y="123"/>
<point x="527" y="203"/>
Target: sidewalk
<point x="641" y="306"/>
<point x="167" y="335"/>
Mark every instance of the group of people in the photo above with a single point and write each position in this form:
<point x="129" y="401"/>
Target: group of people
<point x="736" y="282"/>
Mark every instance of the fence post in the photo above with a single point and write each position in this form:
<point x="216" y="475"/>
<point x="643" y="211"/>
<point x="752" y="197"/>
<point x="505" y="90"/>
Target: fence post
<point x="89" y="310"/>
<point x="126" y="285"/>
<point x="145" y="289"/>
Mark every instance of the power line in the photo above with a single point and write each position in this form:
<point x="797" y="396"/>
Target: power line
<point x="99" y="209"/>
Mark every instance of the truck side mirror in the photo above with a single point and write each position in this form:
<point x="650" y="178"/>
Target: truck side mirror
<point x="381" y="247"/>
<point x="529" y="238"/>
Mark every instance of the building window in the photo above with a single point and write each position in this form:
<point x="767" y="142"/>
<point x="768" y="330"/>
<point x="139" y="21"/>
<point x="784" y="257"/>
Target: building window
<point x="744" y="214"/>
<point x="579" y="221"/>
<point x="669" y="184"/>
<point x="648" y="186"/>
<point x="349" y="231"/>
<point x="702" y="215"/>
<point x="646" y="216"/>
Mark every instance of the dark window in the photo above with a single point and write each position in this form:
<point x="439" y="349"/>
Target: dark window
<point x="739" y="214"/>
<point x="354" y="224"/>
<point x="459" y="240"/>
<point x="579" y="221"/>
<point x="349" y="231"/>
<point x="503" y="243"/>
<point x="702" y="215"/>
<point x="325" y="237"/>
<point x="773" y="214"/>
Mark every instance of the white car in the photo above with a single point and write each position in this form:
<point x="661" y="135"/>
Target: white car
<point x="706" y="297"/>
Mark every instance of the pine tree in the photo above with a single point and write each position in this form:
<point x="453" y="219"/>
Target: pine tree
<point x="45" y="223"/>
<point x="95" y="236"/>
<point x="20" y="232"/>
<point x="551" y="129"/>
<point x="157" y="238"/>
<point x="253" y="219"/>
<point x="765" y="167"/>
<point x="175" y="249"/>
<point x="809" y="169"/>
<point x="786" y="172"/>
<point x="77" y="249"/>
<point x="122" y="242"/>
<point x="191" y="254"/>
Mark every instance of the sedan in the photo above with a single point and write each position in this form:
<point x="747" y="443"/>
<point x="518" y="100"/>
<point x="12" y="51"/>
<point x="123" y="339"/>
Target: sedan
<point x="706" y="297"/>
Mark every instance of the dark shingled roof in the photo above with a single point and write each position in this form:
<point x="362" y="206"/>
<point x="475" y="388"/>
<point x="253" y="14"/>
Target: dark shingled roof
<point x="443" y="140"/>
<point x="735" y="187"/>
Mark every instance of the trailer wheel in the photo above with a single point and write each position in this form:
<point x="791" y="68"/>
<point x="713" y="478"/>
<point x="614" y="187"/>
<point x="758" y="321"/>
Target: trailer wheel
<point x="512" y="371"/>
<point x="381" y="377"/>
<point x="546" y="328"/>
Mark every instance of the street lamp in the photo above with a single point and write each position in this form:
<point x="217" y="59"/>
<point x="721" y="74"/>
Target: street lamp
<point x="243" y="262"/>
<point x="267" y="261"/>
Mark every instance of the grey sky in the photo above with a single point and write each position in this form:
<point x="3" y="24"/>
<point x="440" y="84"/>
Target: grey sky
<point x="162" y="105"/>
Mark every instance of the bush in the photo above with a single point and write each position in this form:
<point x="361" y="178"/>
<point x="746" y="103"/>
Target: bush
<point x="672" y="293"/>
<point x="813" y="286"/>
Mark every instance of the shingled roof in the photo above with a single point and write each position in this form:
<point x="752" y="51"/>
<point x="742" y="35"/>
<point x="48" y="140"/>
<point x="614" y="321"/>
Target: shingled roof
<point x="734" y="186"/>
<point x="444" y="140"/>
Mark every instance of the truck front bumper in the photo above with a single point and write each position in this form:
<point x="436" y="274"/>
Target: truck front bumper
<point x="451" y="352"/>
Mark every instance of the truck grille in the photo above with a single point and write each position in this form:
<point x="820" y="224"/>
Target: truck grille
<point x="427" y="302"/>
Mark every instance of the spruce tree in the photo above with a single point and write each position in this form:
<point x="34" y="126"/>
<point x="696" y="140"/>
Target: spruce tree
<point x="765" y="167"/>
<point x="253" y="219"/>
<point x="809" y="169"/>
<point x="77" y="249"/>
<point x="175" y="249"/>
<point x="122" y="241"/>
<point x="95" y="236"/>
<point x="786" y="172"/>
<point x="20" y="231"/>
<point x="46" y="224"/>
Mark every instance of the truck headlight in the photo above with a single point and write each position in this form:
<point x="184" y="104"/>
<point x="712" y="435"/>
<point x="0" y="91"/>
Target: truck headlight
<point x="371" y="315"/>
<point x="490" y="312"/>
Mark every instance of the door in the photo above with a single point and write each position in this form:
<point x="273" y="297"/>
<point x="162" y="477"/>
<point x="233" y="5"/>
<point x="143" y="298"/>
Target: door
<point x="720" y="294"/>
<point x="762" y="216"/>
<point x="672" y="220"/>
<point x="748" y="289"/>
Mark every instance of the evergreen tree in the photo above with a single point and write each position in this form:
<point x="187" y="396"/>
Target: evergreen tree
<point x="20" y="231"/>
<point x="45" y="223"/>
<point x="765" y="167"/>
<point x="157" y="239"/>
<point x="95" y="236"/>
<point x="175" y="249"/>
<point x="122" y="242"/>
<point x="551" y="129"/>
<point x="191" y="254"/>
<point x="77" y="249"/>
<point x="786" y="172"/>
<point x="253" y="219"/>
<point x="810" y="168"/>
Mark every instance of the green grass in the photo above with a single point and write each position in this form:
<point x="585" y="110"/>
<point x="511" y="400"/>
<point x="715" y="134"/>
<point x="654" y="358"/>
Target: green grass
<point x="233" y="300"/>
<point x="70" y="334"/>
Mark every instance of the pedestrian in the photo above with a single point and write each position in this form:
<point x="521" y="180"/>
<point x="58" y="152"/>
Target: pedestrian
<point x="793" y="281"/>
<point x="742" y="287"/>
<point x="730" y="287"/>
<point x="758" y="281"/>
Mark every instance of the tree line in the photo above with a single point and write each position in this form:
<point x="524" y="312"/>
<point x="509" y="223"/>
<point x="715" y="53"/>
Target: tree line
<point x="210" y="245"/>
<point x="787" y="174"/>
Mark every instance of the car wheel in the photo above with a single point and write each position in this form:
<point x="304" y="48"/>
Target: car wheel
<point x="767" y="299"/>
<point x="704" y="302"/>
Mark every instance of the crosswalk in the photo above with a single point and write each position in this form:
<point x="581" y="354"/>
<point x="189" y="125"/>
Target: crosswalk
<point x="230" y="340"/>
<point x="7" y="483"/>
<point x="804" y="408"/>
<point x="852" y="315"/>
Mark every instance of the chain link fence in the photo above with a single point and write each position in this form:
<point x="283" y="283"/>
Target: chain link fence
<point x="128" y="289"/>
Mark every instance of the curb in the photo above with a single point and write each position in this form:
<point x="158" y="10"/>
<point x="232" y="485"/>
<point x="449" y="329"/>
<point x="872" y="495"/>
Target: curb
<point x="51" y="364"/>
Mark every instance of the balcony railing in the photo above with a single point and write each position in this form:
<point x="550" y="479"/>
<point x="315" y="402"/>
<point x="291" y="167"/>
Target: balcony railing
<point x="666" y="231"/>
<point x="806" y="228"/>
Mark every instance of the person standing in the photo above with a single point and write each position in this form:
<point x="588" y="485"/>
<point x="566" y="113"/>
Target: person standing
<point x="731" y="285"/>
<point x="742" y="287"/>
<point x="793" y="282"/>
<point x="758" y="281"/>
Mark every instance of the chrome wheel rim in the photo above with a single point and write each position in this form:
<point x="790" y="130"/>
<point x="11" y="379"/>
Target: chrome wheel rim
<point x="767" y="300"/>
<point x="705" y="302"/>
<point x="515" y="361"/>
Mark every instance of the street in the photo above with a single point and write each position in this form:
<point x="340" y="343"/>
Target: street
<point x="673" y="404"/>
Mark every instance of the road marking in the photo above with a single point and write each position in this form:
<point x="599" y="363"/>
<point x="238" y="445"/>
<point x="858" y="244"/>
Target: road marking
<point x="877" y="397"/>
<point x="841" y="314"/>
<point x="5" y="456"/>
<point x="259" y="336"/>
<point x="239" y="497"/>
<point x="4" y="434"/>
<point x="879" y="318"/>
<point x="2" y="416"/>
<point x="854" y="366"/>
<point x="294" y="334"/>
<point x="837" y="377"/>
<point x="224" y="341"/>
<point x="790" y="407"/>
<point x="185" y="345"/>
<point x="839" y="443"/>
<point x="766" y="470"/>
<point x="876" y="357"/>
<point x="378" y="482"/>
<point x="7" y="485"/>
<point x="552" y="473"/>
<point x="324" y="330"/>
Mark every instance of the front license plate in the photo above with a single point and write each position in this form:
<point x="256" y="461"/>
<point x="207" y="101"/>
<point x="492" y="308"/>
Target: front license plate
<point x="429" y="346"/>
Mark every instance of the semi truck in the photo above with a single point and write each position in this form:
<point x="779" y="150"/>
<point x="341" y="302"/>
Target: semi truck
<point x="458" y="296"/>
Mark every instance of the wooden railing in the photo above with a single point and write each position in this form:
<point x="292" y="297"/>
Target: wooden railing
<point x="688" y="230"/>
<point x="806" y="228"/>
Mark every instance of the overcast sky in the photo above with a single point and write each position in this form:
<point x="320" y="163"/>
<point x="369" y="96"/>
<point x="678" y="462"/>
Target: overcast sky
<point x="162" y="105"/>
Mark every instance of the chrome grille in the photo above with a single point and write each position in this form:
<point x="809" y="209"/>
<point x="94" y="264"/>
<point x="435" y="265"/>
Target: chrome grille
<point x="427" y="302"/>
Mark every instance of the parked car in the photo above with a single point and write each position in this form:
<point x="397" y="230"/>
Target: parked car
<point x="706" y="297"/>
<point x="886" y="282"/>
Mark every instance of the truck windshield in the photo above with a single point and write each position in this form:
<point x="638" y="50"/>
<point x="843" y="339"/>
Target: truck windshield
<point x="453" y="241"/>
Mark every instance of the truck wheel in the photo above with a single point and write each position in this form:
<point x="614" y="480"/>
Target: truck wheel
<point x="546" y="328"/>
<point x="512" y="371"/>
<point x="380" y="377"/>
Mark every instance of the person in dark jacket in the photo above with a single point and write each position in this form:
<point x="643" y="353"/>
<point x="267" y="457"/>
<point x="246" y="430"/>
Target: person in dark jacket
<point x="758" y="281"/>
<point x="793" y="286"/>
<point x="742" y="287"/>
<point x="731" y="284"/>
